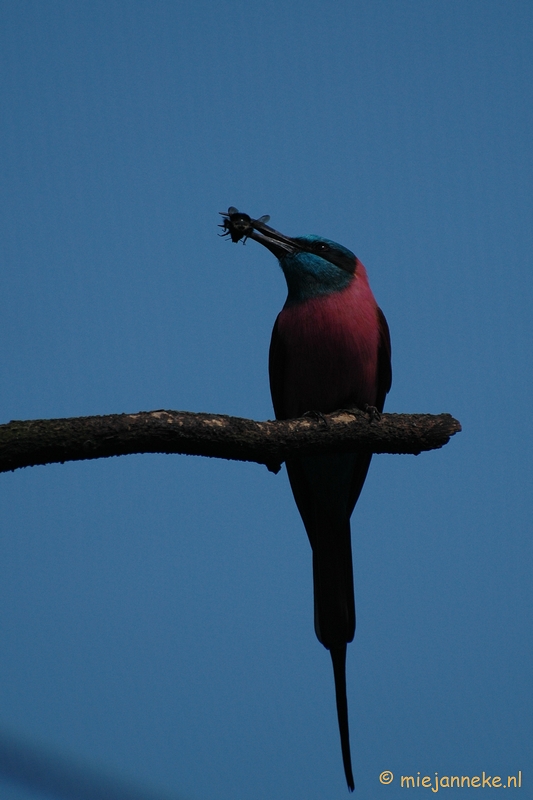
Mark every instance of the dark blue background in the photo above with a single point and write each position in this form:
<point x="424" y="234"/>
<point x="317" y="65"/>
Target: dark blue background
<point x="156" y="611"/>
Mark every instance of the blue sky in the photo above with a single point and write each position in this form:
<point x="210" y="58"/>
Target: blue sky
<point x="156" y="611"/>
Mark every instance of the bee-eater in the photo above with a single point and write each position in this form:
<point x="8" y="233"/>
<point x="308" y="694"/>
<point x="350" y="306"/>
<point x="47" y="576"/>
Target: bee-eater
<point x="330" y="349"/>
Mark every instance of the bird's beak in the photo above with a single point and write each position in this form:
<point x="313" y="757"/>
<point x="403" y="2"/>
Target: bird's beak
<point x="278" y="244"/>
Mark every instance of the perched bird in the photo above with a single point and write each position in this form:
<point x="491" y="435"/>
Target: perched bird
<point x="330" y="349"/>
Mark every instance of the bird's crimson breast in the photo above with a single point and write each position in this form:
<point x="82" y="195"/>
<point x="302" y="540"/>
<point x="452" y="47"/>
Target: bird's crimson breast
<point x="328" y="351"/>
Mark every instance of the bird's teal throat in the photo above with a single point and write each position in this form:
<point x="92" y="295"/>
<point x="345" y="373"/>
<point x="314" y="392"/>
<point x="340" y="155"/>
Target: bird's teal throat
<point x="308" y="275"/>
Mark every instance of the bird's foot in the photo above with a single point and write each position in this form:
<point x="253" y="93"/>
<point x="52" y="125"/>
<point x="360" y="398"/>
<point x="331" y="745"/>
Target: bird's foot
<point x="316" y="415"/>
<point x="373" y="413"/>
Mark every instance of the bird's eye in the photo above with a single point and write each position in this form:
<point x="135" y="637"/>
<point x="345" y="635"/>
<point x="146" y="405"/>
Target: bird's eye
<point x="321" y="247"/>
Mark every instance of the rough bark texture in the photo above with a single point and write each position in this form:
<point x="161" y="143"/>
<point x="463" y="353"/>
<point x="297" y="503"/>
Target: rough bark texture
<point x="46" y="441"/>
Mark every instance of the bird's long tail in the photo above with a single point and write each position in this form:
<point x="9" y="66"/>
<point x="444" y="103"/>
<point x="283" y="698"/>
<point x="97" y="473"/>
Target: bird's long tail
<point x="325" y="488"/>
<point x="338" y="658"/>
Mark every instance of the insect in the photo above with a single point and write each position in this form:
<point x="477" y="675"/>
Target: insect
<point x="238" y="225"/>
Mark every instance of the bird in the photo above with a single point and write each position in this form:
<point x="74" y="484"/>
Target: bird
<point x="330" y="349"/>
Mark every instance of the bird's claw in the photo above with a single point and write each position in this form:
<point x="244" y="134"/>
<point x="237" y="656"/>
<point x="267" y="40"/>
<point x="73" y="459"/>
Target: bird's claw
<point x="373" y="413"/>
<point x="316" y="415"/>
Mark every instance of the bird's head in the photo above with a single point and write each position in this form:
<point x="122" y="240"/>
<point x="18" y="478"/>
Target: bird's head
<point x="312" y="265"/>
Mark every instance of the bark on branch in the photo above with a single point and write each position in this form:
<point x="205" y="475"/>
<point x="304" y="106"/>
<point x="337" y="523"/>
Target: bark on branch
<point x="46" y="441"/>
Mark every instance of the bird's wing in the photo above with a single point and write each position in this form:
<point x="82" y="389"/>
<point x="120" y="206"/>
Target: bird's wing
<point x="383" y="384"/>
<point x="276" y="371"/>
<point x="384" y="377"/>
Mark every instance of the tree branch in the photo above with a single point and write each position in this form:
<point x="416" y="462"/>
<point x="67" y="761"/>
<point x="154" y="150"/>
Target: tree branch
<point x="46" y="441"/>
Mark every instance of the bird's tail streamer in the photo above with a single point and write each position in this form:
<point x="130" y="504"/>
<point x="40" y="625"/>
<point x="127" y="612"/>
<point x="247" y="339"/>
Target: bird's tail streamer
<point x="338" y="658"/>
